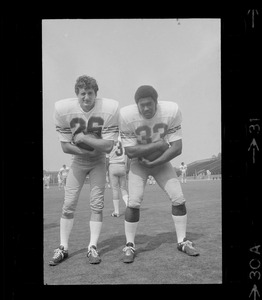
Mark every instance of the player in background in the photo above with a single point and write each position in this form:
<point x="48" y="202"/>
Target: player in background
<point x="46" y="181"/>
<point x="107" y="180"/>
<point x="117" y="169"/>
<point x="183" y="169"/>
<point x="87" y="127"/>
<point x="208" y="175"/>
<point x="63" y="172"/>
<point x="151" y="180"/>
<point x="152" y="128"/>
<point x="60" y="181"/>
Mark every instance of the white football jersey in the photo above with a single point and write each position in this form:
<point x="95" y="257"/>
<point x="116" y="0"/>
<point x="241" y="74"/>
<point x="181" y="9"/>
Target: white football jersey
<point x="47" y="178"/>
<point x="183" y="168"/>
<point x="117" y="155"/>
<point x="102" y="119"/>
<point x="64" y="172"/>
<point x="135" y="129"/>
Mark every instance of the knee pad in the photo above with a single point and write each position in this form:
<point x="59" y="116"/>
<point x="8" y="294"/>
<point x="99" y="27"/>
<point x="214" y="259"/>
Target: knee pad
<point x="132" y="215"/>
<point x="179" y="210"/>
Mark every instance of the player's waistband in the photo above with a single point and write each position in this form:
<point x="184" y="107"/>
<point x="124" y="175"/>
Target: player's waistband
<point x="119" y="162"/>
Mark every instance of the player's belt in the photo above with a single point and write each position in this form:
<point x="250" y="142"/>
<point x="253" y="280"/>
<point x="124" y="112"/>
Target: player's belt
<point x="120" y="162"/>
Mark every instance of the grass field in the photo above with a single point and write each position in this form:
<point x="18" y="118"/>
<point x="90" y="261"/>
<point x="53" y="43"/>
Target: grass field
<point x="157" y="261"/>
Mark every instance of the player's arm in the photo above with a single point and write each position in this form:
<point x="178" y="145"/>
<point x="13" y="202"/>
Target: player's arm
<point x="69" y="148"/>
<point x="141" y="150"/>
<point x="100" y="145"/>
<point x="173" y="151"/>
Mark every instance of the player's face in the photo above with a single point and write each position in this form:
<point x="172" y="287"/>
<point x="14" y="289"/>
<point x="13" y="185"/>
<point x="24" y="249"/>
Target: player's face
<point x="147" y="107"/>
<point x="86" y="98"/>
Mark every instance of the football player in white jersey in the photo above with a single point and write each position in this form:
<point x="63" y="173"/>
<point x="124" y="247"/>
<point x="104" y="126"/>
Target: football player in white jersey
<point x="46" y="181"/>
<point x="60" y="181"/>
<point x="87" y="127"/>
<point x="117" y="169"/>
<point x="107" y="180"/>
<point x="151" y="180"/>
<point x="63" y="172"/>
<point x="183" y="168"/>
<point x="151" y="135"/>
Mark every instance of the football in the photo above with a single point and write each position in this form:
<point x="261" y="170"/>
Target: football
<point x="85" y="146"/>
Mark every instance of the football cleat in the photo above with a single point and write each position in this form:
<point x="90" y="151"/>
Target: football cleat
<point x="93" y="255"/>
<point x="129" y="253"/>
<point x="115" y="215"/>
<point x="60" y="254"/>
<point x="187" y="247"/>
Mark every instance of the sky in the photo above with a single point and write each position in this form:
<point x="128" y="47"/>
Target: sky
<point x="180" y="58"/>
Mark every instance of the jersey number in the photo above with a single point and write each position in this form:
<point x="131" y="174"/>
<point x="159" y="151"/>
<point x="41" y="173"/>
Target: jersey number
<point x="119" y="149"/>
<point x="145" y="132"/>
<point x="94" y="125"/>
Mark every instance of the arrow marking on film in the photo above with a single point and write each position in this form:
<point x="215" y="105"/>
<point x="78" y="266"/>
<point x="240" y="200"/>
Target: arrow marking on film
<point x="255" y="291"/>
<point x="253" y="16"/>
<point x="254" y="145"/>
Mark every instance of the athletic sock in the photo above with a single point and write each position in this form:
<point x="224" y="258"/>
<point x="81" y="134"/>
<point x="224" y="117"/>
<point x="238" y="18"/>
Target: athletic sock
<point x="116" y="206"/>
<point x="66" y="226"/>
<point x="130" y="231"/>
<point x="125" y="198"/>
<point x="180" y="226"/>
<point x="95" y="229"/>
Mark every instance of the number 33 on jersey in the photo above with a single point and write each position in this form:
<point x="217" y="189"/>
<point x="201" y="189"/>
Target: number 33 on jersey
<point x="135" y="129"/>
<point x="102" y="119"/>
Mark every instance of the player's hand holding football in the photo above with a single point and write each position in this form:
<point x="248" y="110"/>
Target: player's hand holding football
<point x="78" y="138"/>
<point x="148" y="160"/>
<point x="79" y="141"/>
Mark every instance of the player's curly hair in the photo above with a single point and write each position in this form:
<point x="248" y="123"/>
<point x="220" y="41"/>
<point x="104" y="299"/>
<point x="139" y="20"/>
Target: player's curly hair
<point x="85" y="82"/>
<point x="146" y="91"/>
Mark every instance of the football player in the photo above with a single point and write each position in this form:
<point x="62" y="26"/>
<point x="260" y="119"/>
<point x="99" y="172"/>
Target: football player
<point x="63" y="172"/>
<point x="87" y="127"/>
<point x="208" y="174"/>
<point x="107" y="180"/>
<point x="151" y="135"/>
<point x="151" y="180"/>
<point x="183" y="168"/>
<point x="46" y="181"/>
<point x="116" y="166"/>
<point x="60" y="181"/>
